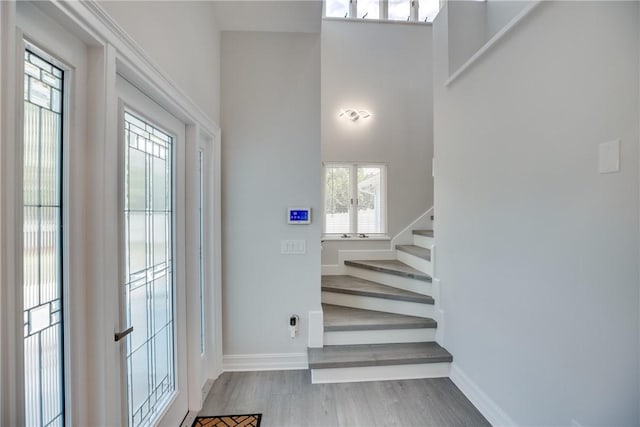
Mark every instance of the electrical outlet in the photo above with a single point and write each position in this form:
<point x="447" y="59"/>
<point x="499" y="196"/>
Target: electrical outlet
<point x="294" y="325"/>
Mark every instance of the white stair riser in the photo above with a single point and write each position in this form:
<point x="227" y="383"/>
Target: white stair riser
<point x="379" y="304"/>
<point x="423" y="241"/>
<point x="415" y="262"/>
<point x="417" y="286"/>
<point x="381" y="336"/>
<point x="380" y="373"/>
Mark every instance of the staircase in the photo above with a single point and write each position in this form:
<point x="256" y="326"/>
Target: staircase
<point x="379" y="320"/>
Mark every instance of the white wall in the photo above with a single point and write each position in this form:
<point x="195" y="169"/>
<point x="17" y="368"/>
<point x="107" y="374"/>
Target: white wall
<point x="473" y="23"/>
<point x="501" y="12"/>
<point x="537" y="251"/>
<point x="183" y="39"/>
<point x="271" y="160"/>
<point x="467" y="31"/>
<point x="297" y="16"/>
<point x="386" y="69"/>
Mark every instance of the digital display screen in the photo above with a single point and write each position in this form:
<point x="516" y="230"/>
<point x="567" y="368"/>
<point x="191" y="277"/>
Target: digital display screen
<point x="298" y="215"/>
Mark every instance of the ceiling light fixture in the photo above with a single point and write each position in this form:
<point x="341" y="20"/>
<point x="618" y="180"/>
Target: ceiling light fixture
<point x="354" y="115"/>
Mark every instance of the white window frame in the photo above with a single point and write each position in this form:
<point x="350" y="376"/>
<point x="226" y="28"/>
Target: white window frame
<point x="414" y="8"/>
<point x="353" y="209"/>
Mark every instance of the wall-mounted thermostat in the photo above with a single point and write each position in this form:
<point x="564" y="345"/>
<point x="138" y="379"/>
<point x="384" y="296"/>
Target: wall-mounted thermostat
<point x="299" y="215"/>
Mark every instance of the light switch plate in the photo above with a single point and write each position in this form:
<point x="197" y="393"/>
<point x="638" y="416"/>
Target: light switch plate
<point x="293" y="247"/>
<point x="609" y="157"/>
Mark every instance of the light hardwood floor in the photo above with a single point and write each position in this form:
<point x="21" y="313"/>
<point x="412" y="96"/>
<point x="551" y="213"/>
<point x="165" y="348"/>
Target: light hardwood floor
<point x="287" y="398"/>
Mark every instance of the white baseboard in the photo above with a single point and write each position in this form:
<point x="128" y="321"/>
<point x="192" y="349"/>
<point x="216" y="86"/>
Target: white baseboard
<point x="189" y="419"/>
<point x="440" y="330"/>
<point x="487" y="407"/>
<point x="206" y="388"/>
<point x="264" y="362"/>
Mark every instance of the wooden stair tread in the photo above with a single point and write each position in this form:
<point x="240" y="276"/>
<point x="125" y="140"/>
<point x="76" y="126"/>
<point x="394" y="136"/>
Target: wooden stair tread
<point x="351" y="356"/>
<point x="339" y="318"/>
<point x="425" y="233"/>
<point x="356" y="286"/>
<point x="417" y="251"/>
<point x="391" y="266"/>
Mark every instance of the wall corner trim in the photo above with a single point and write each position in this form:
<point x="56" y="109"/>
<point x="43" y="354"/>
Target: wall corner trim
<point x="264" y="362"/>
<point x="487" y="407"/>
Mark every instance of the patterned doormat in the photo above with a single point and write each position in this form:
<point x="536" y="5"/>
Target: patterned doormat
<point x="252" y="420"/>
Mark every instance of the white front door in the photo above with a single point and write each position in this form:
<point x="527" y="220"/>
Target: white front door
<point x="152" y="261"/>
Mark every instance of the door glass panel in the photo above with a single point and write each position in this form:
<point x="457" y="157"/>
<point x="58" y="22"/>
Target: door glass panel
<point x="137" y="237"/>
<point x="370" y="200"/>
<point x="148" y="286"/>
<point x="337" y="204"/>
<point x="42" y="244"/>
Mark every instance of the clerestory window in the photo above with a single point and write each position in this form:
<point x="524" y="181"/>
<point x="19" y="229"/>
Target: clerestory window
<point x="384" y="10"/>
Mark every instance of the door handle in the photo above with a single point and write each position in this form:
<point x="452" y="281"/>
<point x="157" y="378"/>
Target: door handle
<point x="119" y="335"/>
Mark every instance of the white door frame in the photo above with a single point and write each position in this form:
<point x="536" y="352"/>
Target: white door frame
<point x="130" y="98"/>
<point x="205" y="365"/>
<point x="33" y="25"/>
<point x="109" y="51"/>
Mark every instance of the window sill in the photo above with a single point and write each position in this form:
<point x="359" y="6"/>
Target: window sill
<point x="377" y="21"/>
<point x="337" y="238"/>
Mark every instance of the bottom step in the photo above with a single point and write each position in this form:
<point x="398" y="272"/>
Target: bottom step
<point x="376" y="362"/>
<point x="380" y="373"/>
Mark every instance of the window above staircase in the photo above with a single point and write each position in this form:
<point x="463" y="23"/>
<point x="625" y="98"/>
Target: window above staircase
<point x="383" y="10"/>
<point x="355" y="201"/>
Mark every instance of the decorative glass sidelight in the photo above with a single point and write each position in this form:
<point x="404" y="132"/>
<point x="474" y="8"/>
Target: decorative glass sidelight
<point x="201" y="240"/>
<point x="42" y="246"/>
<point x="148" y="287"/>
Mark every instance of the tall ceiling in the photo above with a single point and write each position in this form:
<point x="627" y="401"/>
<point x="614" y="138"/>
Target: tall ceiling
<point x="269" y="15"/>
